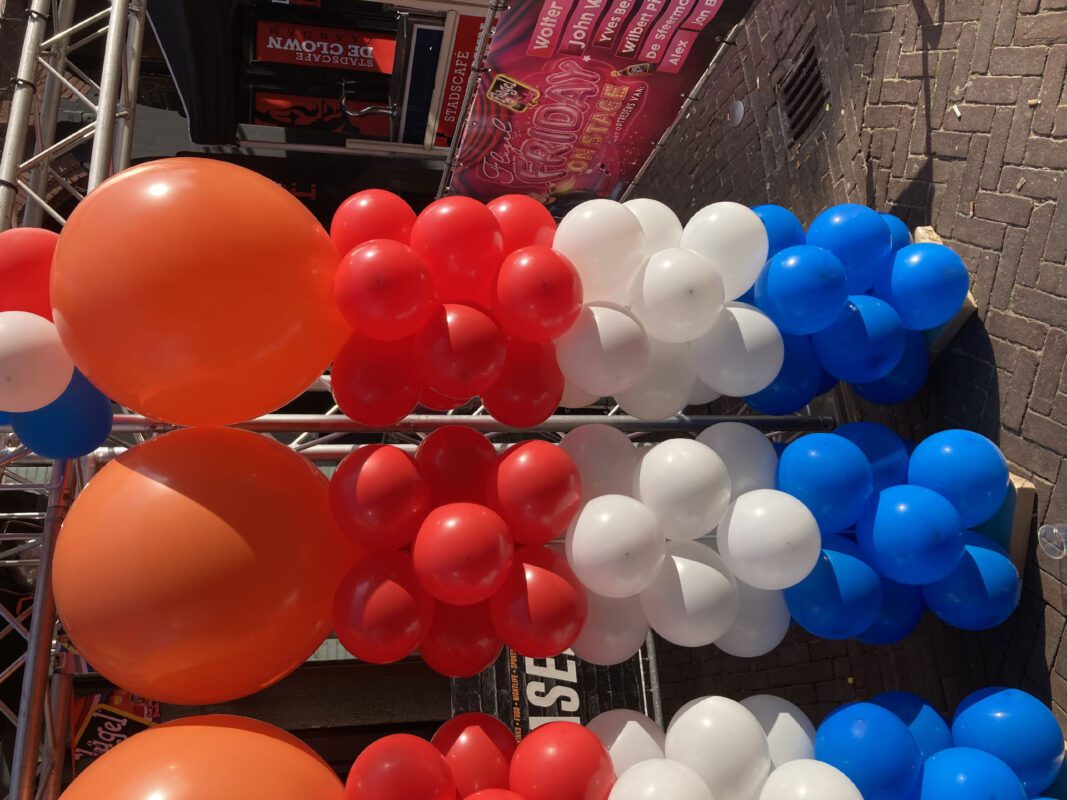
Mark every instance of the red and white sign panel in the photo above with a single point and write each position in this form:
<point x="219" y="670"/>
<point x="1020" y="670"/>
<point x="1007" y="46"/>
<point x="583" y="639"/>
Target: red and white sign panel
<point x="332" y="48"/>
<point x="459" y="70"/>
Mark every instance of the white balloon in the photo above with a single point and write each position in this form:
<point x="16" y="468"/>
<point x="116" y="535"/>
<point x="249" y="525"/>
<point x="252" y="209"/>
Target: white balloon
<point x="722" y="742"/>
<point x="615" y="629"/>
<point x="733" y="238"/>
<point x="806" y="780"/>
<point x="661" y="226"/>
<point x="605" y="458"/>
<point x="694" y="599"/>
<point x="686" y="485"/>
<point x="605" y="242"/>
<point x="748" y="454"/>
<point x="677" y="295"/>
<point x="629" y="736"/>
<point x="701" y="394"/>
<point x="663" y="390"/>
<point x="34" y="367"/>
<point x="761" y="625"/>
<point x="741" y="354"/>
<point x="770" y="539"/>
<point x="790" y="734"/>
<point x="605" y="351"/>
<point x="573" y="397"/>
<point x="660" y="779"/>
<point x="615" y="546"/>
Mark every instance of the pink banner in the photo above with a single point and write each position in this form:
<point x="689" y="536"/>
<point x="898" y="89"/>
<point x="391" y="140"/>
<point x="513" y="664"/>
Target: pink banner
<point x="678" y="51"/>
<point x="656" y="43"/>
<point x="703" y="13"/>
<point x="638" y="28"/>
<point x="609" y="27"/>
<point x="549" y="28"/>
<point x="582" y="25"/>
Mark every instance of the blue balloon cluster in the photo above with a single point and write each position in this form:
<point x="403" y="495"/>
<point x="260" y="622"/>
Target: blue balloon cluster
<point x="861" y="292"/>
<point x="896" y="538"/>
<point x="1003" y="744"/>
<point x="73" y="425"/>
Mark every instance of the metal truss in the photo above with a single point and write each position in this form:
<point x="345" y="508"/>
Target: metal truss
<point x="46" y="77"/>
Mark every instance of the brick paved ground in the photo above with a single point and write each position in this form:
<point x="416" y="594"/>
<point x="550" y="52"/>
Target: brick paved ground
<point x="951" y="113"/>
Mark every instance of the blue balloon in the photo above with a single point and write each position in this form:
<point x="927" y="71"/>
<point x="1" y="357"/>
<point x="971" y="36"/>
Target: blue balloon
<point x="927" y="284"/>
<point x="779" y="447"/>
<point x="911" y="535"/>
<point x="1015" y="727"/>
<point x="802" y="289"/>
<point x="826" y="380"/>
<point x="905" y="380"/>
<point x="864" y="343"/>
<point x="72" y="425"/>
<point x="982" y="590"/>
<point x="999" y="526"/>
<point x="963" y="773"/>
<point x="923" y="720"/>
<point x="859" y="237"/>
<point x="884" y="449"/>
<point x="828" y="474"/>
<point x="966" y="469"/>
<point x="783" y="228"/>
<point x="901" y="612"/>
<point x="796" y="383"/>
<point x="5" y="418"/>
<point x="749" y="296"/>
<point x="873" y="748"/>
<point x="898" y="231"/>
<point x="841" y="597"/>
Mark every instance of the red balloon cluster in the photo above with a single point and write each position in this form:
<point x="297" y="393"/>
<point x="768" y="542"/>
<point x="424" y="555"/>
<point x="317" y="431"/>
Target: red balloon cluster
<point x="445" y="575"/>
<point x="474" y="756"/>
<point x="463" y="300"/>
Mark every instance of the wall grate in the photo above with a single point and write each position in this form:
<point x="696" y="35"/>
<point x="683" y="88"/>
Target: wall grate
<point x="803" y="94"/>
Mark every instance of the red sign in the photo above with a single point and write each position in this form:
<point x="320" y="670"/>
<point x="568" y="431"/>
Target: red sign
<point x="321" y="113"/>
<point x="577" y="94"/>
<point x="460" y="66"/>
<point x="332" y="48"/>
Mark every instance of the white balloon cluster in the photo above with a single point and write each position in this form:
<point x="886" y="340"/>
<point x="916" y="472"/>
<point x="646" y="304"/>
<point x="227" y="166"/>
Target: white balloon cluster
<point x="635" y="542"/>
<point x="34" y="366"/>
<point x="660" y="329"/>
<point x="762" y="748"/>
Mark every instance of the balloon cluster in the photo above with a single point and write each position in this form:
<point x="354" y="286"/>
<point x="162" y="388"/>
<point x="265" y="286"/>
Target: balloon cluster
<point x="634" y="542"/>
<point x="851" y="297"/>
<point x="475" y="756"/>
<point x="458" y="564"/>
<point x="897" y="532"/>
<point x="49" y="404"/>
<point x="1003" y="744"/>
<point x="463" y="300"/>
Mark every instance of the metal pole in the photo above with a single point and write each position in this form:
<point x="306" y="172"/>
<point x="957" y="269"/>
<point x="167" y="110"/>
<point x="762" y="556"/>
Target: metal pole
<point x="39" y="648"/>
<point x="468" y="96"/>
<point x="18" y="120"/>
<point x="110" y="85"/>
<point x="62" y="691"/>
<point x="653" y="679"/>
<point x="134" y="46"/>
<point x="33" y="215"/>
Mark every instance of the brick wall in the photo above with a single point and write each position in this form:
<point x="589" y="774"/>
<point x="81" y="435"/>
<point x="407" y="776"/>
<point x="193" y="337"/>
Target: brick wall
<point x="951" y="113"/>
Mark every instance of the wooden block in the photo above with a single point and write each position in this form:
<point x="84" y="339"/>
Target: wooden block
<point x="937" y="339"/>
<point x="1022" y="523"/>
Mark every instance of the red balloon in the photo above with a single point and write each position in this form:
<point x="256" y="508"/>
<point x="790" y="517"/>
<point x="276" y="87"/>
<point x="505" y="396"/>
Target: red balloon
<point x="462" y="553"/>
<point x="495" y="794"/>
<point x="435" y="401"/>
<point x="536" y="489"/>
<point x="523" y="221"/>
<point x="380" y="611"/>
<point x="562" y="761"/>
<point x="540" y="609"/>
<point x="529" y="387"/>
<point x="456" y="462"/>
<point x="384" y="290"/>
<point x="371" y="214"/>
<point x="478" y="749"/>
<point x="537" y="295"/>
<point x="460" y="240"/>
<point x="378" y="497"/>
<point x="400" y="767"/>
<point x="461" y="351"/>
<point x="461" y="641"/>
<point x="374" y="382"/>
<point x="25" y="267"/>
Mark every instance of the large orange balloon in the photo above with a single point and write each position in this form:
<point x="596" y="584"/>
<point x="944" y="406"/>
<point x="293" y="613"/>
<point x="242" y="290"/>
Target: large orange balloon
<point x="201" y="759"/>
<point x="199" y="567"/>
<point x="196" y="291"/>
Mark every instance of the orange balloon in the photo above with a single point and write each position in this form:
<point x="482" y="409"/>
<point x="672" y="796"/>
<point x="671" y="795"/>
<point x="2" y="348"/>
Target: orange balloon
<point x="196" y="291"/>
<point x="199" y="567"/>
<point x="201" y="759"/>
<point x="246" y="724"/>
